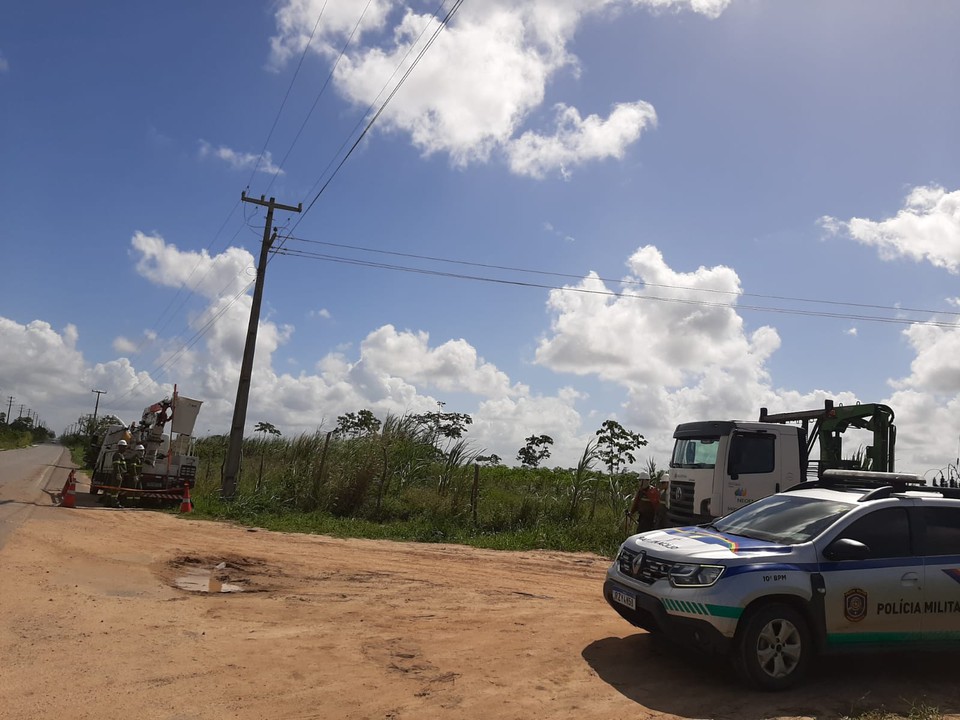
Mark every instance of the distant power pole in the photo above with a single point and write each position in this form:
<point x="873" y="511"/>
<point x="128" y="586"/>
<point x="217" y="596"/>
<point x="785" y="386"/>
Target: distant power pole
<point x="231" y="467"/>
<point x="96" y="407"/>
<point x="9" y="405"/>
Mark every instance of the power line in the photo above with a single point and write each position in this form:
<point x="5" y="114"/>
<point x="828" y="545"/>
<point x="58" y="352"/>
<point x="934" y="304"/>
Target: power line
<point x="443" y="24"/>
<point x="610" y="293"/>
<point x="284" y="102"/>
<point x="323" y="87"/>
<point x="638" y="283"/>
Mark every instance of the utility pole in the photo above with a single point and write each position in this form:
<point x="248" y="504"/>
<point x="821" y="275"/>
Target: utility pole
<point x="10" y="405"/>
<point x="96" y="407"/>
<point x="231" y="468"/>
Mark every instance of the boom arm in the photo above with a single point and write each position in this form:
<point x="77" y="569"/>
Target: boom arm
<point x="832" y="421"/>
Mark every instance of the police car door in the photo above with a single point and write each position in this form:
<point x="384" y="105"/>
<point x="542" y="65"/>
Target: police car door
<point x="941" y="549"/>
<point x="877" y="598"/>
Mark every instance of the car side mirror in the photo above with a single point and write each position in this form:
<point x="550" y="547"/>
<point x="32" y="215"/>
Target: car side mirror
<point x="846" y="549"/>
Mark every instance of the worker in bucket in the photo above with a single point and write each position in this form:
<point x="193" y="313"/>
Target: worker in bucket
<point x="119" y="464"/>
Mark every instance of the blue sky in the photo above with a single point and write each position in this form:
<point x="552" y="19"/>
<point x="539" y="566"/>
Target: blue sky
<point x="691" y="163"/>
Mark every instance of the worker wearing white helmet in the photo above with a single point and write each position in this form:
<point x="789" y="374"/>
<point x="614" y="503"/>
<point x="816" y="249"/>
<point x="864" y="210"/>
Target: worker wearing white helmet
<point x="119" y="461"/>
<point x="136" y="465"/>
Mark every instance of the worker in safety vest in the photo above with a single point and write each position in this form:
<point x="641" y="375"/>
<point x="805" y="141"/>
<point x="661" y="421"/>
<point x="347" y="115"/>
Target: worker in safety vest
<point x="119" y="463"/>
<point x="136" y="465"/>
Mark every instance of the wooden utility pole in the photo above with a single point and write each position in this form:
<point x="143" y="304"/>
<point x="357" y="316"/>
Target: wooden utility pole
<point x="96" y="407"/>
<point x="231" y="467"/>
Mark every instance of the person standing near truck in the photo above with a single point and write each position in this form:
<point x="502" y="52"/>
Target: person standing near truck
<point x="119" y="464"/>
<point x="136" y="465"/>
<point x="645" y="503"/>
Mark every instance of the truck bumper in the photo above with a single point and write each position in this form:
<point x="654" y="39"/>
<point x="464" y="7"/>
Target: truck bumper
<point x="651" y="615"/>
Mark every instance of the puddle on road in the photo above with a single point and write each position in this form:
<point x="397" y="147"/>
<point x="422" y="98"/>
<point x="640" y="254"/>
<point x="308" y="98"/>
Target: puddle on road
<point x="200" y="580"/>
<point x="220" y="574"/>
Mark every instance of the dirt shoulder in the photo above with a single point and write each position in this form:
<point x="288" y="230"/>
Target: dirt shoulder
<point x="93" y="626"/>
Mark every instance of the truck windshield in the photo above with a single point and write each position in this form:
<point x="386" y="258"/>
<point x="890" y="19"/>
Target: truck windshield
<point x="695" y="452"/>
<point x="784" y="519"/>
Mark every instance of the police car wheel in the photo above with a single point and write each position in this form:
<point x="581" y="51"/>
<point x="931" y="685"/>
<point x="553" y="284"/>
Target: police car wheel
<point x="774" y="648"/>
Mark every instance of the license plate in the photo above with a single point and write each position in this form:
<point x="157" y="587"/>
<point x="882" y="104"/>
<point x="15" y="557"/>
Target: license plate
<point x="625" y="599"/>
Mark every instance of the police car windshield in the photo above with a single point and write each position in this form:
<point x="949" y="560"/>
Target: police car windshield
<point x="783" y="519"/>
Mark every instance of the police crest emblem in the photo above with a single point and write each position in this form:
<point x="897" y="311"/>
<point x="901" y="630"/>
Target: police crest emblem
<point x="855" y="604"/>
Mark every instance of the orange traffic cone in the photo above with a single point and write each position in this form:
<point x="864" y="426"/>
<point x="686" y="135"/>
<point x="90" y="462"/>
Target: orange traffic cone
<point x="70" y="491"/>
<point x="186" y="505"/>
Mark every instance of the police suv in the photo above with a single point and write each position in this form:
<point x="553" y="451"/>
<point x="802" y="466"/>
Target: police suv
<point x="855" y="560"/>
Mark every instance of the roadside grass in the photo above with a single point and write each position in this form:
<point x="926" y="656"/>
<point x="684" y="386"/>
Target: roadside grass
<point x="583" y="537"/>
<point x="396" y="484"/>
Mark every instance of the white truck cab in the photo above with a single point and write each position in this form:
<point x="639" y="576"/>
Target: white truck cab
<point x="719" y="466"/>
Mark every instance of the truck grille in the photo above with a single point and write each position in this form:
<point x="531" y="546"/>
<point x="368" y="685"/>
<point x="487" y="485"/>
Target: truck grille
<point x="681" y="503"/>
<point x="643" y="567"/>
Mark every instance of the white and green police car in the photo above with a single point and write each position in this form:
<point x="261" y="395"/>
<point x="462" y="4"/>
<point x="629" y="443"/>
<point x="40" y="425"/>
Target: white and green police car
<point x="854" y="560"/>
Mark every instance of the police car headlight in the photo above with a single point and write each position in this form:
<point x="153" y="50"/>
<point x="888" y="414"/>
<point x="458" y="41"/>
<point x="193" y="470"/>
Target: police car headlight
<point x="690" y="575"/>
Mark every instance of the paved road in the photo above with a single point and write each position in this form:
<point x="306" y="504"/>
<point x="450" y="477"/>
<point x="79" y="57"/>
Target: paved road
<point x="24" y="476"/>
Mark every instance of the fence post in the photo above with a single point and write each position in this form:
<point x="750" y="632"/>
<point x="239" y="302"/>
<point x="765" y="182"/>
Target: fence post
<point x="475" y="494"/>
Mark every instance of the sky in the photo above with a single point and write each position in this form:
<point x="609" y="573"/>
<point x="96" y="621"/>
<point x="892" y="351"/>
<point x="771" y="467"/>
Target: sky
<point x="542" y="213"/>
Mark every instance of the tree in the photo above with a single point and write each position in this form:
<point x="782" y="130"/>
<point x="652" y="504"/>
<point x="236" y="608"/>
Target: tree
<point x="24" y="423"/>
<point x="535" y="451"/>
<point x="357" y="424"/>
<point x="615" y="446"/>
<point x="267" y="429"/>
<point x="492" y="460"/>
<point x="449" y="425"/>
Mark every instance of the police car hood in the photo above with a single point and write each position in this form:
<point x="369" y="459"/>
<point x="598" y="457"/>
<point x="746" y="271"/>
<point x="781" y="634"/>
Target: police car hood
<point x="697" y="543"/>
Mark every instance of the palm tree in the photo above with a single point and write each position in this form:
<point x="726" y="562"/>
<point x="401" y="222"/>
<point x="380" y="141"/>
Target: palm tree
<point x="266" y="429"/>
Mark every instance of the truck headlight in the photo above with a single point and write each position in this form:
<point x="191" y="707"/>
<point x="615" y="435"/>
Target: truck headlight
<point x="692" y="575"/>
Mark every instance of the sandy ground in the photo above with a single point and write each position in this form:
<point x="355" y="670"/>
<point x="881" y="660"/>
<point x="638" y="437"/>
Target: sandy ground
<point x="93" y="626"/>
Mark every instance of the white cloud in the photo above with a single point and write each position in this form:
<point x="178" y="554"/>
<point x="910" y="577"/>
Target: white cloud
<point x="481" y="79"/>
<point x="321" y="313"/>
<point x="927" y="228"/>
<point x="240" y="161"/>
<point x="577" y="141"/>
<point x="661" y="334"/>
<point x="124" y="346"/>
<point x="163" y="264"/>
<point x="852" y="332"/>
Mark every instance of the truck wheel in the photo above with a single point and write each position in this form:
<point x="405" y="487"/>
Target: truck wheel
<point x="774" y="647"/>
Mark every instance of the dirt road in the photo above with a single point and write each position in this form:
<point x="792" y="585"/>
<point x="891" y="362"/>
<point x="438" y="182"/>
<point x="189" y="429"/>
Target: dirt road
<point x="94" y="626"/>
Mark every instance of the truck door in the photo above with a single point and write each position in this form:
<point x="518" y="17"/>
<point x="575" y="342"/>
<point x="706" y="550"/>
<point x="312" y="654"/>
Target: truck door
<point x="879" y="597"/>
<point x="752" y="469"/>
<point x="941" y="550"/>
